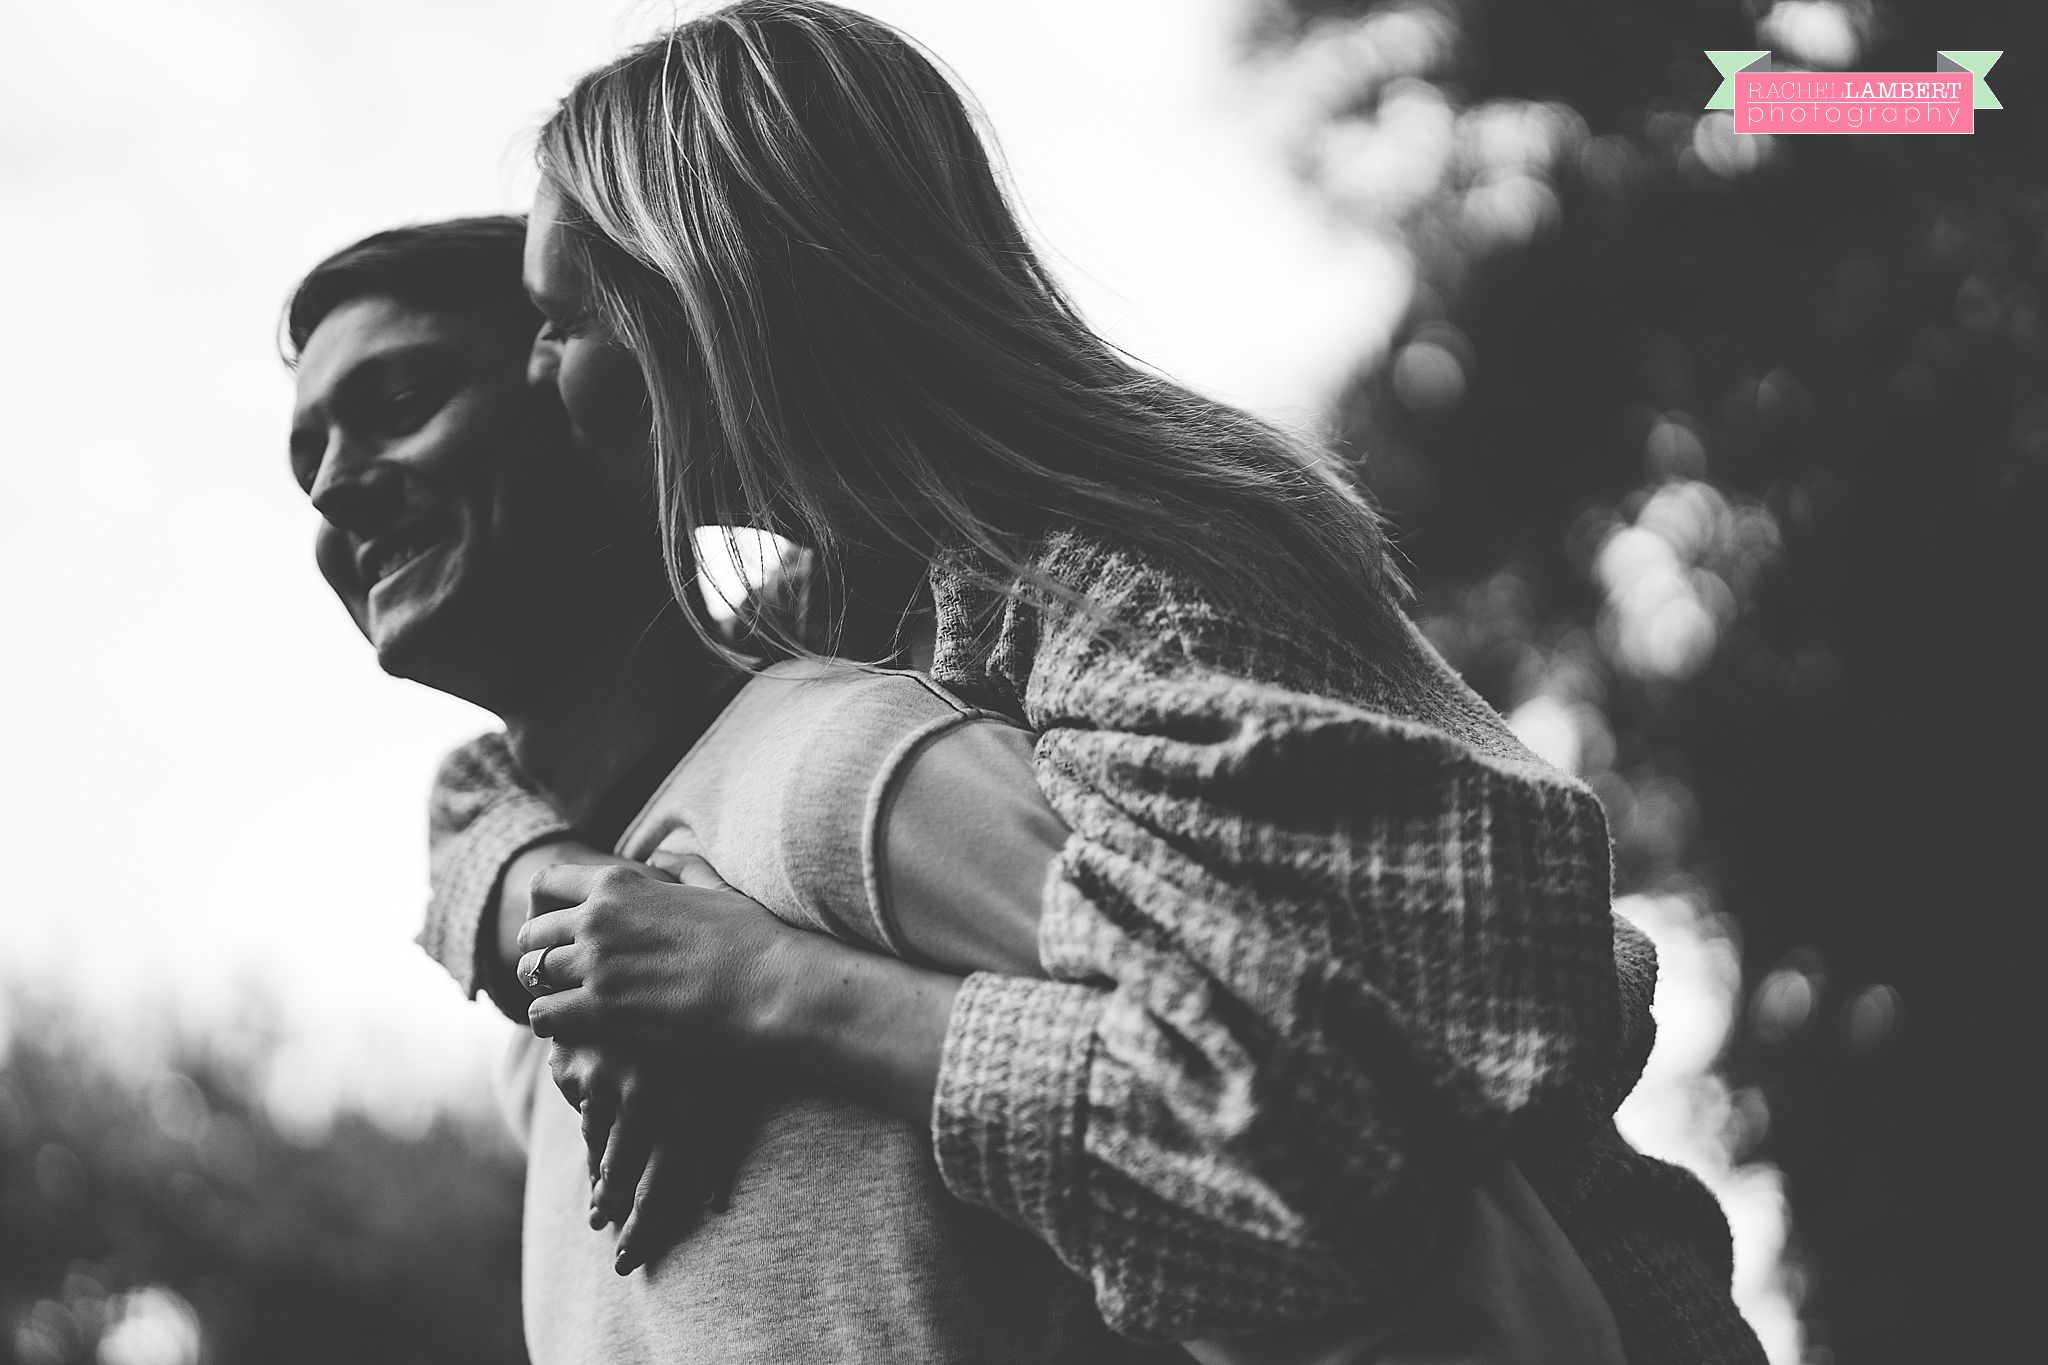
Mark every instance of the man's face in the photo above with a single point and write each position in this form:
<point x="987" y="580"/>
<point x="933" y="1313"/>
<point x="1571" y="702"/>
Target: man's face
<point x="453" y="509"/>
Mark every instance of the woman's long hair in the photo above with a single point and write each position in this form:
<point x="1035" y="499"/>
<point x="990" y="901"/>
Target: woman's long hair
<point x="786" y="212"/>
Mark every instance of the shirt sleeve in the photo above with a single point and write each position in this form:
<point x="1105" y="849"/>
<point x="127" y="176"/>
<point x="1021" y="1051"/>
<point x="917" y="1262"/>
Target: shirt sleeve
<point x="961" y="848"/>
<point x="1310" y="963"/>
<point x="482" y="814"/>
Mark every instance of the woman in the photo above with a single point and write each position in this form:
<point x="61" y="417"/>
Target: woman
<point x="1325" y="942"/>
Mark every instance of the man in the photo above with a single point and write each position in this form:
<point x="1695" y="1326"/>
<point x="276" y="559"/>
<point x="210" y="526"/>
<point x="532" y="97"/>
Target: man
<point x="458" y="524"/>
<point x="456" y="520"/>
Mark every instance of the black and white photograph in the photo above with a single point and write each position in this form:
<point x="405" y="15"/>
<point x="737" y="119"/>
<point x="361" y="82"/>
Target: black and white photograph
<point x="965" y="682"/>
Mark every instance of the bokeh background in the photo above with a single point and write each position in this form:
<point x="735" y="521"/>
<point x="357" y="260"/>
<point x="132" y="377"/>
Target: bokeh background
<point x="1718" y="462"/>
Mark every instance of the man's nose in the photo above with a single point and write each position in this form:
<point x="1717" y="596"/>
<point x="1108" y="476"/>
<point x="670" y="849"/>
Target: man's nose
<point x="355" y="490"/>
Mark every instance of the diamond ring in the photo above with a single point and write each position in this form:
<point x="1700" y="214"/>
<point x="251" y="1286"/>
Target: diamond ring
<point x="534" y="980"/>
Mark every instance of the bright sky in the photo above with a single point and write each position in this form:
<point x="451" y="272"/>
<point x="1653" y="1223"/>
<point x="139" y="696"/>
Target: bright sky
<point x="211" y="794"/>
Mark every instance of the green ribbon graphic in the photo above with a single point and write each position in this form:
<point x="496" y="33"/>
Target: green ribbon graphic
<point x="1728" y="63"/>
<point x="1977" y="64"/>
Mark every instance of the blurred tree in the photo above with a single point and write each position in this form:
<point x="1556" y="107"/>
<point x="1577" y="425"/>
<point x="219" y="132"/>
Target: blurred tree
<point x="165" y="1219"/>
<point x="1720" y="464"/>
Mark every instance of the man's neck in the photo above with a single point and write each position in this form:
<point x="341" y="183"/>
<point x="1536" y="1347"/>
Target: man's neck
<point x="620" y="719"/>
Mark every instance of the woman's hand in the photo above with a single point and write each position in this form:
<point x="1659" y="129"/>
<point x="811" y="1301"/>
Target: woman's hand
<point x="621" y="1094"/>
<point x="514" y="902"/>
<point x="700" y="967"/>
<point x="632" y="959"/>
<point x="664" y="1136"/>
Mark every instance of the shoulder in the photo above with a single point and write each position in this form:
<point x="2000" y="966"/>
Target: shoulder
<point x="1085" y="603"/>
<point x="1149" y="637"/>
<point x="783" y="793"/>
<point x="806" y="733"/>
<point x="854" y="700"/>
<point x="828" y="733"/>
<point x="1089" y="588"/>
<point x="834" y="694"/>
<point x="814" y="725"/>
<point x="960" y="840"/>
<point x="1091" y="604"/>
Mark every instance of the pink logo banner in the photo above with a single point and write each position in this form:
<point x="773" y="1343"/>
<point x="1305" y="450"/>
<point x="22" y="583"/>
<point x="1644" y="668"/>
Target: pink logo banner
<point x="1855" y="102"/>
<point x="1765" y="100"/>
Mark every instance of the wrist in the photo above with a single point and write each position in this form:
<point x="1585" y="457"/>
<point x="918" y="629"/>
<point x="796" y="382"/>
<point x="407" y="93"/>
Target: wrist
<point x="873" y="1024"/>
<point x="786" y="1014"/>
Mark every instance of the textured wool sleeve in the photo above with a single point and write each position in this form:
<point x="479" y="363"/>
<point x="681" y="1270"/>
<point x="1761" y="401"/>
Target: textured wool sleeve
<point x="482" y="814"/>
<point x="1311" y="961"/>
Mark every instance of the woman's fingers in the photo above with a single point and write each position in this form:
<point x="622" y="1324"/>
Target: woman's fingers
<point x="552" y="930"/>
<point x="600" y="1115"/>
<point x="670" y="1198"/>
<point x="557" y="967"/>
<point x="623" y="1163"/>
<point x="564" y="884"/>
<point x="652" y="961"/>
<point x="692" y="870"/>
<point x="567" y="884"/>
<point x="568" y="1014"/>
<point x="578" y="1073"/>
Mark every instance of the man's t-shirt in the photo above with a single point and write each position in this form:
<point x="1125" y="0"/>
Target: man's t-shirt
<point x="875" y="807"/>
<point x="852" y="803"/>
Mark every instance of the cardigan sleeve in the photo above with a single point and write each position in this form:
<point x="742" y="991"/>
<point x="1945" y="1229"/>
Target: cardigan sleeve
<point x="1310" y="964"/>
<point x="482" y="814"/>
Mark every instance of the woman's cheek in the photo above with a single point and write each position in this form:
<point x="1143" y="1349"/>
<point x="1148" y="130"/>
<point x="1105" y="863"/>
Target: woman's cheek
<point x="609" y="412"/>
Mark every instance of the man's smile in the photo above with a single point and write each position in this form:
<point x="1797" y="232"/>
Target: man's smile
<point x="400" y="546"/>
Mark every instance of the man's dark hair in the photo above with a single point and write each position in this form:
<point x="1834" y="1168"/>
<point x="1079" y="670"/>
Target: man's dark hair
<point x="456" y="264"/>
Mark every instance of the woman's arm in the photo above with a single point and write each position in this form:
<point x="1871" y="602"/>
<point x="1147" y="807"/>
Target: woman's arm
<point x="1266" y="1107"/>
<point x="957" y="846"/>
<point x="843" y="1014"/>
<point x="1316" y="961"/>
<point x="701" y="968"/>
<point x="1312" y="961"/>
<point x="870" y="1023"/>
<point x="961" y="851"/>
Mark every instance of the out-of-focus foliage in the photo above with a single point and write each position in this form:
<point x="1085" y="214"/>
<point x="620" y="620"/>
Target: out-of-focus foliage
<point x="1720" y="464"/>
<point x="155" y="1215"/>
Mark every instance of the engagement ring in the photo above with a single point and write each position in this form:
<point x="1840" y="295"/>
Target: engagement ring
<point x="534" y="982"/>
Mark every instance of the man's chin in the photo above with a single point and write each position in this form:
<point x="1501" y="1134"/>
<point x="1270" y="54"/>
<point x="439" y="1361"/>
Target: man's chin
<point x="431" y="648"/>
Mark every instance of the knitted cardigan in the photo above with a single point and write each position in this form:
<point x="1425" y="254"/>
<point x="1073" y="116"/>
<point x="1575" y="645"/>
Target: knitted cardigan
<point x="1325" y="941"/>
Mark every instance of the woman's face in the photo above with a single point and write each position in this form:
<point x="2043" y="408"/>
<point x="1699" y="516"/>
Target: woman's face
<point x="599" y="380"/>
